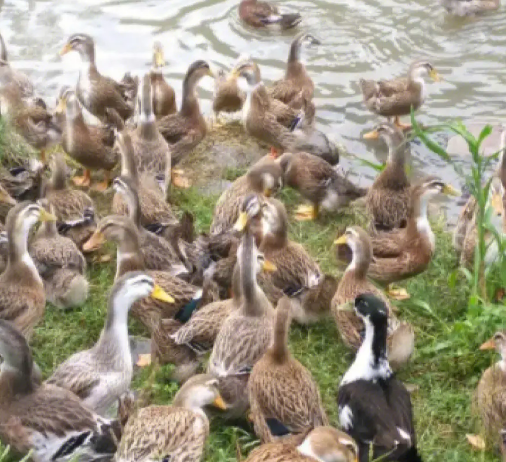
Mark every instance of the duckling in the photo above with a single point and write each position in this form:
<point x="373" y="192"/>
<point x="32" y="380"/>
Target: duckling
<point x="264" y="178"/>
<point x="31" y="120"/>
<point x="89" y="145"/>
<point x="10" y="76"/>
<point x="60" y="264"/>
<point x="74" y="209"/>
<point x="260" y="14"/>
<point x="177" y="432"/>
<point x="22" y="296"/>
<point x="96" y="92"/>
<point x="49" y="422"/>
<point x="387" y="200"/>
<point x="374" y="407"/>
<point x="469" y="7"/>
<point x="185" y="129"/>
<point x="283" y="394"/>
<point x="323" y="444"/>
<point x="318" y="182"/>
<point x="489" y="397"/>
<point x="245" y="335"/>
<point x="164" y="97"/>
<point x="395" y="98"/>
<point x="123" y="232"/>
<point x="100" y="375"/>
<point x="153" y="207"/>
<point x="400" y="341"/>
<point x="296" y="79"/>
<point x="157" y="253"/>
<point x="151" y="151"/>
<point x="406" y="252"/>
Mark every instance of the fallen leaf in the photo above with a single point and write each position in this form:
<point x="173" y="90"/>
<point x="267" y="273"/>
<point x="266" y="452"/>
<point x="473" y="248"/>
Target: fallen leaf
<point x="144" y="360"/>
<point x="476" y="441"/>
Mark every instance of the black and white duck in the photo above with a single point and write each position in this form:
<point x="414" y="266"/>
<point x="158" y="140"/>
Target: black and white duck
<point x="374" y="406"/>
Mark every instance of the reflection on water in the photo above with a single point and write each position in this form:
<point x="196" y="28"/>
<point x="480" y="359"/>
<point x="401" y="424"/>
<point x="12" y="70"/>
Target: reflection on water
<point x="361" y="38"/>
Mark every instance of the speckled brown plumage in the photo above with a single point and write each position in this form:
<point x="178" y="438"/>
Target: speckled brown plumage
<point x="184" y="130"/>
<point x="281" y="388"/>
<point x="22" y="296"/>
<point x="177" y="433"/>
<point x="264" y="177"/>
<point x="227" y="95"/>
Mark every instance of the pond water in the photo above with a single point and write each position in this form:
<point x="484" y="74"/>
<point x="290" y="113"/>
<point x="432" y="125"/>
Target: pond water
<point x="360" y="38"/>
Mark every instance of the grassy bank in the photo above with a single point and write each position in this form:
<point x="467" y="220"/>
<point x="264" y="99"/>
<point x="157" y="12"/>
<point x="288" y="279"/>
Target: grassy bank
<point x="444" y="371"/>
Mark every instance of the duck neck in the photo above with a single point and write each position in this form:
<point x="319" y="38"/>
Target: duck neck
<point x="371" y="362"/>
<point x="189" y="103"/>
<point x="249" y="286"/>
<point x="58" y="176"/>
<point x="147" y="120"/>
<point x="128" y="254"/>
<point x="128" y="168"/>
<point x="134" y="210"/>
<point x="415" y="78"/>
<point x="419" y="220"/>
<point x="18" y="250"/>
<point x="395" y="171"/>
<point x="279" y="351"/>
<point x="236" y="285"/>
<point x="360" y="261"/>
<point x="114" y="337"/>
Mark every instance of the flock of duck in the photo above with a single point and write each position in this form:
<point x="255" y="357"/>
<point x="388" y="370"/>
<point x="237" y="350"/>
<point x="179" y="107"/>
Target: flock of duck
<point x="213" y="292"/>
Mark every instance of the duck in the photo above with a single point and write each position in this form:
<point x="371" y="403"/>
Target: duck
<point x="260" y="14"/>
<point x="323" y="444"/>
<point x="204" y="325"/>
<point x="6" y="203"/>
<point x="406" y="252"/>
<point x="157" y="252"/>
<point x="91" y="146"/>
<point x="318" y="182"/>
<point x="470" y="7"/>
<point x="22" y="295"/>
<point x="297" y="273"/>
<point x="465" y="232"/>
<point x="296" y="79"/>
<point x="96" y="92"/>
<point x="177" y="432"/>
<point x="11" y="76"/>
<point x="30" y="119"/>
<point x="401" y="338"/>
<point x="49" y="422"/>
<point x="185" y="129"/>
<point x="265" y="178"/>
<point x="284" y="397"/>
<point x="22" y="182"/>
<point x="60" y="264"/>
<point x="123" y="232"/>
<point x="281" y="126"/>
<point x="163" y="95"/>
<point x="100" y="375"/>
<point x="374" y="406"/>
<point x="245" y="335"/>
<point x="396" y="97"/>
<point x="154" y="208"/>
<point x="489" y="395"/>
<point x="151" y="151"/>
<point x="228" y="96"/>
<point x="387" y="200"/>
<point x="74" y="209"/>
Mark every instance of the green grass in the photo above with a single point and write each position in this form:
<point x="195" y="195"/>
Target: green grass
<point x="444" y="370"/>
